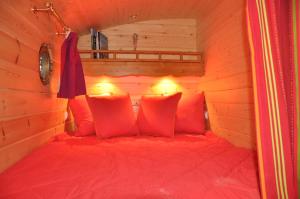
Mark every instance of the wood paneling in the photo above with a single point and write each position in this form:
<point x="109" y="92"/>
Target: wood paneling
<point x="154" y="35"/>
<point x="227" y="82"/>
<point x="142" y="68"/>
<point x="81" y="15"/>
<point x="18" y="129"/>
<point x="181" y="34"/>
<point x="164" y="34"/>
<point x="16" y="103"/>
<point x="12" y="50"/>
<point x="12" y="153"/>
<point x="137" y="86"/>
<point x="30" y="113"/>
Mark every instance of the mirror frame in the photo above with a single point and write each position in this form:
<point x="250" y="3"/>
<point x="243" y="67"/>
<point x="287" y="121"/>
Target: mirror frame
<point x="45" y="63"/>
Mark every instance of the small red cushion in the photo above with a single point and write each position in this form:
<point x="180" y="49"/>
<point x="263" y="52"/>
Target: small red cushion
<point x="156" y="115"/>
<point x="82" y="116"/>
<point x="190" y="115"/>
<point x="113" y="116"/>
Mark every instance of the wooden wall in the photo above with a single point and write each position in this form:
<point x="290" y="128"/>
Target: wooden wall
<point x="168" y="34"/>
<point x="222" y="36"/>
<point x="30" y="113"/>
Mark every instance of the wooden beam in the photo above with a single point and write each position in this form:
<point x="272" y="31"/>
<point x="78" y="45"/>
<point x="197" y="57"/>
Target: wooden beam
<point x="139" y="60"/>
<point x="177" y="56"/>
<point x="150" y="52"/>
<point x="137" y="68"/>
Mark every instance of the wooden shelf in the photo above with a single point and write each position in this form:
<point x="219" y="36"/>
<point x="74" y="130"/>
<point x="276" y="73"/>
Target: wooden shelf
<point x="160" y="56"/>
<point x="144" y="63"/>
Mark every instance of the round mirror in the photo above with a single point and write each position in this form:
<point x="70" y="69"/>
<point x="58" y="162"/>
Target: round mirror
<point x="45" y="64"/>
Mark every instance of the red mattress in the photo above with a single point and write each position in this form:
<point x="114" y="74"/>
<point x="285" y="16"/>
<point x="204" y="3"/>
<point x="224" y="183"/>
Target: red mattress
<point x="184" y="167"/>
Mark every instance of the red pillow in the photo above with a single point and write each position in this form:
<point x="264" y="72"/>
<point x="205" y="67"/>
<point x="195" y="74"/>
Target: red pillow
<point x="113" y="116"/>
<point x="156" y="115"/>
<point x="190" y="115"/>
<point x="82" y="115"/>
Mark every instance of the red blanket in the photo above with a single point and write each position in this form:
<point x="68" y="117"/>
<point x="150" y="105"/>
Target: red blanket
<point x="184" y="167"/>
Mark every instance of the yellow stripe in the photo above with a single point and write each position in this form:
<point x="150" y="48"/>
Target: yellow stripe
<point x="274" y="129"/>
<point x="258" y="130"/>
<point x="277" y="105"/>
<point x="273" y="115"/>
<point x="266" y="64"/>
<point x="268" y="101"/>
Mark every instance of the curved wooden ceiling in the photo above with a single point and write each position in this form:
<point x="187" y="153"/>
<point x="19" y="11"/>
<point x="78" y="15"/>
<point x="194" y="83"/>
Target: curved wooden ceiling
<point x="80" y="15"/>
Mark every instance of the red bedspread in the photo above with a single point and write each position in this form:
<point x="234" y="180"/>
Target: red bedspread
<point x="184" y="167"/>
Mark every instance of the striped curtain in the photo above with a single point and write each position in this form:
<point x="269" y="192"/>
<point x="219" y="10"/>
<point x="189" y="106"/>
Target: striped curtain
<point x="273" y="27"/>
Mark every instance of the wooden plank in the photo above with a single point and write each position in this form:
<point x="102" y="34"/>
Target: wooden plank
<point x="236" y="124"/>
<point x="142" y="79"/>
<point x="141" y="68"/>
<point x="10" y="154"/>
<point x="242" y="111"/>
<point x="15" y="104"/>
<point x="133" y="59"/>
<point x="236" y="138"/>
<point x="139" y="89"/>
<point x="238" y="81"/>
<point x="111" y="13"/>
<point x="24" y="26"/>
<point x="141" y="85"/>
<point x="174" y="27"/>
<point x="25" y="35"/>
<point x="13" y="76"/>
<point x="143" y="56"/>
<point x="151" y="52"/>
<point x="17" y="129"/>
<point x="12" y="50"/>
<point x="21" y="11"/>
<point x="238" y="96"/>
<point x="162" y="34"/>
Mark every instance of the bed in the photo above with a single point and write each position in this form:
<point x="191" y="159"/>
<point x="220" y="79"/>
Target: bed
<point x="184" y="167"/>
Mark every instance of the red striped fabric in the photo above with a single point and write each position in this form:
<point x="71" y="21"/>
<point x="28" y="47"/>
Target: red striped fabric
<point x="295" y="29"/>
<point x="274" y="69"/>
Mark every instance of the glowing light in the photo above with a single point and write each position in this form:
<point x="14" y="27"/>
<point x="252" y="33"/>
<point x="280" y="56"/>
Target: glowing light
<point x="165" y="87"/>
<point x="104" y="88"/>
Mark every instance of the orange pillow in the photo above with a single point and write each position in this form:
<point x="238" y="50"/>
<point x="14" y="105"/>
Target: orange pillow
<point x="113" y="116"/>
<point x="190" y="115"/>
<point x="82" y="116"/>
<point x="156" y="115"/>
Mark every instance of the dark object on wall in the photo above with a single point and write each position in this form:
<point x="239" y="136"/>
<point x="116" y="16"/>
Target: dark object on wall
<point x="135" y="38"/>
<point x="45" y="63"/>
<point x="94" y="42"/>
<point x="72" y="81"/>
<point x="102" y="45"/>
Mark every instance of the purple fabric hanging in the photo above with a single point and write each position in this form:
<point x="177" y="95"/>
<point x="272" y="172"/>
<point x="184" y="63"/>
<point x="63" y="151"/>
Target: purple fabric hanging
<point x="72" y="81"/>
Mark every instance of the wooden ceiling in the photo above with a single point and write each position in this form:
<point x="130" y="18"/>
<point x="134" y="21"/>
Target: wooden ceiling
<point x="80" y="15"/>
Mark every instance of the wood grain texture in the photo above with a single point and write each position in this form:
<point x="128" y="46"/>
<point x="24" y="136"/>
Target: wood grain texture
<point x="10" y="154"/>
<point x="164" y="34"/>
<point x="227" y="82"/>
<point x="17" y="129"/>
<point x="30" y="113"/>
<point x="81" y="15"/>
<point x="151" y="69"/>
<point x="154" y="35"/>
<point x="138" y="86"/>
